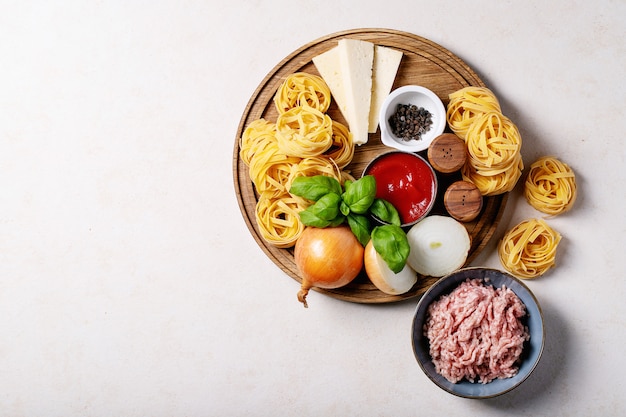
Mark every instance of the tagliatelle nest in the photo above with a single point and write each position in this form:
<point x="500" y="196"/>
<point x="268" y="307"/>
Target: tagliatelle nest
<point x="550" y="186"/>
<point x="466" y="105"/>
<point x="304" y="131"/>
<point x="302" y="89"/>
<point x="528" y="250"/>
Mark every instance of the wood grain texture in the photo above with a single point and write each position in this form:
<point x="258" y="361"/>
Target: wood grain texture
<point x="424" y="63"/>
<point x="463" y="201"/>
<point x="447" y="153"/>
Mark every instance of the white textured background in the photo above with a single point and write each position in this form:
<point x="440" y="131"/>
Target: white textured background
<point x="129" y="283"/>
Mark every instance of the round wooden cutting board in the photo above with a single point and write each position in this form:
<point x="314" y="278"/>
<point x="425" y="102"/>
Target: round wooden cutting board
<point x="424" y="63"/>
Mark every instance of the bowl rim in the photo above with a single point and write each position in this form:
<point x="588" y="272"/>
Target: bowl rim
<point x="426" y="299"/>
<point x="435" y="193"/>
<point x="390" y="140"/>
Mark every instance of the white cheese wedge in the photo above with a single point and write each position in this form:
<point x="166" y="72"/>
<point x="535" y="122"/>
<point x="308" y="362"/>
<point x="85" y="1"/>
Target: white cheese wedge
<point x="328" y="66"/>
<point x="385" y="68"/>
<point x="356" y="58"/>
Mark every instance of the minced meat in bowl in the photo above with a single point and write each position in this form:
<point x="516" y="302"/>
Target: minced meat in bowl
<point x="487" y="332"/>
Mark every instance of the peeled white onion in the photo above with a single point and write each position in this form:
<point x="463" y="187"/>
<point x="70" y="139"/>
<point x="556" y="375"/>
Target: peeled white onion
<point x="439" y="246"/>
<point x="383" y="277"/>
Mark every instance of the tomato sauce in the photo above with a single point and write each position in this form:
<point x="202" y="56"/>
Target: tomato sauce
<point x="406" y="181"/>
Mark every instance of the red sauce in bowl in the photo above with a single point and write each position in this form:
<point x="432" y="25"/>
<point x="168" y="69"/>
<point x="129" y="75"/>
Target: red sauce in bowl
<point x="407" y="181"/>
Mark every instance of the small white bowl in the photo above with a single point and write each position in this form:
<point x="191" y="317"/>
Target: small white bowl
<point x="421" y="97"/>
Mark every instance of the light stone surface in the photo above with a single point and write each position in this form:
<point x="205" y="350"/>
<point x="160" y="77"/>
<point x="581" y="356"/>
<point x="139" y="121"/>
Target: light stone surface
<point x="129" y="283"/>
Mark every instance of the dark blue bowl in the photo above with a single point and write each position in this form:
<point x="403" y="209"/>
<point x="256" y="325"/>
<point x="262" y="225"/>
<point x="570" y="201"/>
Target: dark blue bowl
<point x="532" y="349"/>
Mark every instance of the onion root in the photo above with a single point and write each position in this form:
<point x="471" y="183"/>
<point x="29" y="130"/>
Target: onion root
<point x="302" y="296"/>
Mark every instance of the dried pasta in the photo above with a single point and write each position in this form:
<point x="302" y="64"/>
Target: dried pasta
<point x="316" y="165"/>
<point x="528" y="250"/>
<point x="550" y="186"/>
<point x="346" y="176"/>
<point x="257" y="136"/>
<point x="467" y="104"/>
<point x="302" y="89"/>
<point x="270" y="171"/>
<point x="304" y="141"/>
<point x="304" y="131"/>
<point x="493" y="143"/>
<point x="496" y="182"/>
<point x="494" y="162"/>
<point x="342" y="149"/>
<point x="279" y="220"/>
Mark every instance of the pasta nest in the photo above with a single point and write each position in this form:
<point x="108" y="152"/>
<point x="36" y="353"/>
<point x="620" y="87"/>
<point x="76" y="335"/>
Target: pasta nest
<point x="498" y="183"/>
<point x="466" y="105"/>
<point x="493" y="143"/>
<point x="550" y="186"/>
<point x="528" y="250"/>
<point x="302" y="89"/>
<point x="304" y="131"/>
<point x="494" y="162"/>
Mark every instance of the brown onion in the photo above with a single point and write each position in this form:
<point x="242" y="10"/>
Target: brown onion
<point x="383" y="277"/>
<point x="327" y="258"/>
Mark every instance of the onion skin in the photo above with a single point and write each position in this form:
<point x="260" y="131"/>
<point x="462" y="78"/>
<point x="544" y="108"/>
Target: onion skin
<point x="327" y="258"/>
<point x="383" y="277"/>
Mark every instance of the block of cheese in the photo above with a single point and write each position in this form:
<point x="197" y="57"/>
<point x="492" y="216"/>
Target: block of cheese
<point x="328" y="66"/>
<point x="385" y="68"/>
<point x="356" y="60"/>
<point x="346" y="67"/>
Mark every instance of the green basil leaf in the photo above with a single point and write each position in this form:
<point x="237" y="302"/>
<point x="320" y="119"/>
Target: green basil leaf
<point x="323" y="212"/>
<point x="337" y="221"/>
<point x="313" y="188"/>
<point x="311" y="219"/>
<point x="327" y="207"/>
<point x="343" y="207"/>
<point x="360" y="194"/>
<point x="360" y="226"/>
<point x="385" y="211"/>
<point x="392" y="245"/>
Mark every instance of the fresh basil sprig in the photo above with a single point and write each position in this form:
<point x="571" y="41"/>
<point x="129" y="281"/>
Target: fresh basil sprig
<point x="353" y="204"/>
<point x="333" y="205"/>
<point x="360" y="194"/>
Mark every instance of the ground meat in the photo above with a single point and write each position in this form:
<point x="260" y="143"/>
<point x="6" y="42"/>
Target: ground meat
<point x="476" y="332"/>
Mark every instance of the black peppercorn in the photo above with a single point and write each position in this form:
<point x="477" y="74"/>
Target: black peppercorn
<point x="410" y="122"/>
